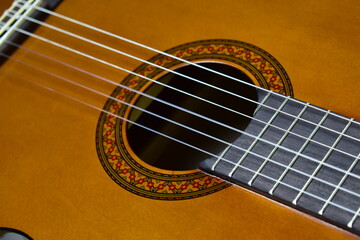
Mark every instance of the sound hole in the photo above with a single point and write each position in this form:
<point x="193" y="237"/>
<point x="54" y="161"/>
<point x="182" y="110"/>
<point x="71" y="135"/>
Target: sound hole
<point x="161" y="152"/>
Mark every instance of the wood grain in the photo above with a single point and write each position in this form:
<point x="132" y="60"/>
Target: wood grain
<point x="52" y="184"/>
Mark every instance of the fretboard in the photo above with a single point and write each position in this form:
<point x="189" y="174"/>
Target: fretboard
<point x="301" y="155"/>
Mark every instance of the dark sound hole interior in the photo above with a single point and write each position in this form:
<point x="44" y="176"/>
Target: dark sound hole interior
<point x="161" y="152"/>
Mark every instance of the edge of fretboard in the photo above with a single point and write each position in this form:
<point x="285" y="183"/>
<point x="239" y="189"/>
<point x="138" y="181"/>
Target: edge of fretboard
<point x="242" y="163"/>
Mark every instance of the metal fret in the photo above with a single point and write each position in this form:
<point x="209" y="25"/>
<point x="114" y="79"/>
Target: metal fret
<point x="356" y="215"/>
<point x="267" y="125"/>
<point x="220" y="157"/>
<point x="306" y="165"/>
<point x="262" y="102"/>
<point x="339" y="185"/>
<point x="321" y="163"/>
<point x="278" y="143"/>
<point x="298" y="154"/>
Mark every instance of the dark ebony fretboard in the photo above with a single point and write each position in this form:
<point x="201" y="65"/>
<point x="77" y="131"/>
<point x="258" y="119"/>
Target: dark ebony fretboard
<point x="302" y="155"/>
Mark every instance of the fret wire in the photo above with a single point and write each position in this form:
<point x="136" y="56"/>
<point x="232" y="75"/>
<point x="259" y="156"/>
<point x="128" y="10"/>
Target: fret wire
<point x="268" y="124"/>
<point x="297" y="155"/>
<point x="199" y="97"/>
<point x="220" y="157"/>
<point x="293" y="187"/>
<point x="177" y="58"/>
<point x="316" y="170"/>
<point x="239" y="80"/>
<point x="262" y="103"/>
<point x="352" y="221"/>
<point x="278" y="144"/>
<point x="339" y="185"/>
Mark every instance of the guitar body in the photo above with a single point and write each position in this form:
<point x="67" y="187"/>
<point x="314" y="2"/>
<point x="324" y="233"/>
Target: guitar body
<point x="52" y="183"/>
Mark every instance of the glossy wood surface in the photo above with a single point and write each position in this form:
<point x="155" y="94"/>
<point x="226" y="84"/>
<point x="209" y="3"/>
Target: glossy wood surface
<point x="52" y="184"/>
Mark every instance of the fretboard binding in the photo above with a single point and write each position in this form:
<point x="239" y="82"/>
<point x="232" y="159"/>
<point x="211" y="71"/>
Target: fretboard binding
<point x="321" y="163"/>
<point x="278" y="143"/>
<point x="288" y="167"/>
<point x="267" y="125"/>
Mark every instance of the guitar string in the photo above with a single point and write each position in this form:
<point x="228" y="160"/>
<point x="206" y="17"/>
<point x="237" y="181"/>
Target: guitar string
<point x="169" y="104"/>
<point x="193" y="79"/>
<point x="176" y="140"/>
<point x="128" y="71"/>
<point x="181" y="125"/>
<point x="193" y="113"/>
<point x="169" y="55"/>
<point x="216" y="122"/>
<point x="227" y="126"/>
<point x="338" y="116"/>
<point x="356" y="214"/>
<point x="128" y="55"/>
<point x="351" y="137"/>
<point x="316" y="161"/>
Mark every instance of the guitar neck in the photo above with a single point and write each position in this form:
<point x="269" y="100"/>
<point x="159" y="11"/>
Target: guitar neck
<point x="302" y="155"/>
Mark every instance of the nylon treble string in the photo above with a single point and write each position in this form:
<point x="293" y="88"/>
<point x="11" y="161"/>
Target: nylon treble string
<point x="179" y="124"/>
<point x="169" y="70"/>
<point x="195" y="114"/>
<point x="185" y="76"/>
<point x="285" y="97"/>
<point x="186" y="93"/>
<point x="181" y="142"/>
<point x="191" y="112"/>
<point x="169" y="55"/>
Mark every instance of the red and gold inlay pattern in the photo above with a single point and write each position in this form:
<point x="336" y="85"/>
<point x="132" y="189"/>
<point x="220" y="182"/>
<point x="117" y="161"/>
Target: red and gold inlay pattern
<point x="135" y="176"/>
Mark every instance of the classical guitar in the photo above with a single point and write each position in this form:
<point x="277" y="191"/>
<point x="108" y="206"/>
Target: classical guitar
<point x="180" y="120"/>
